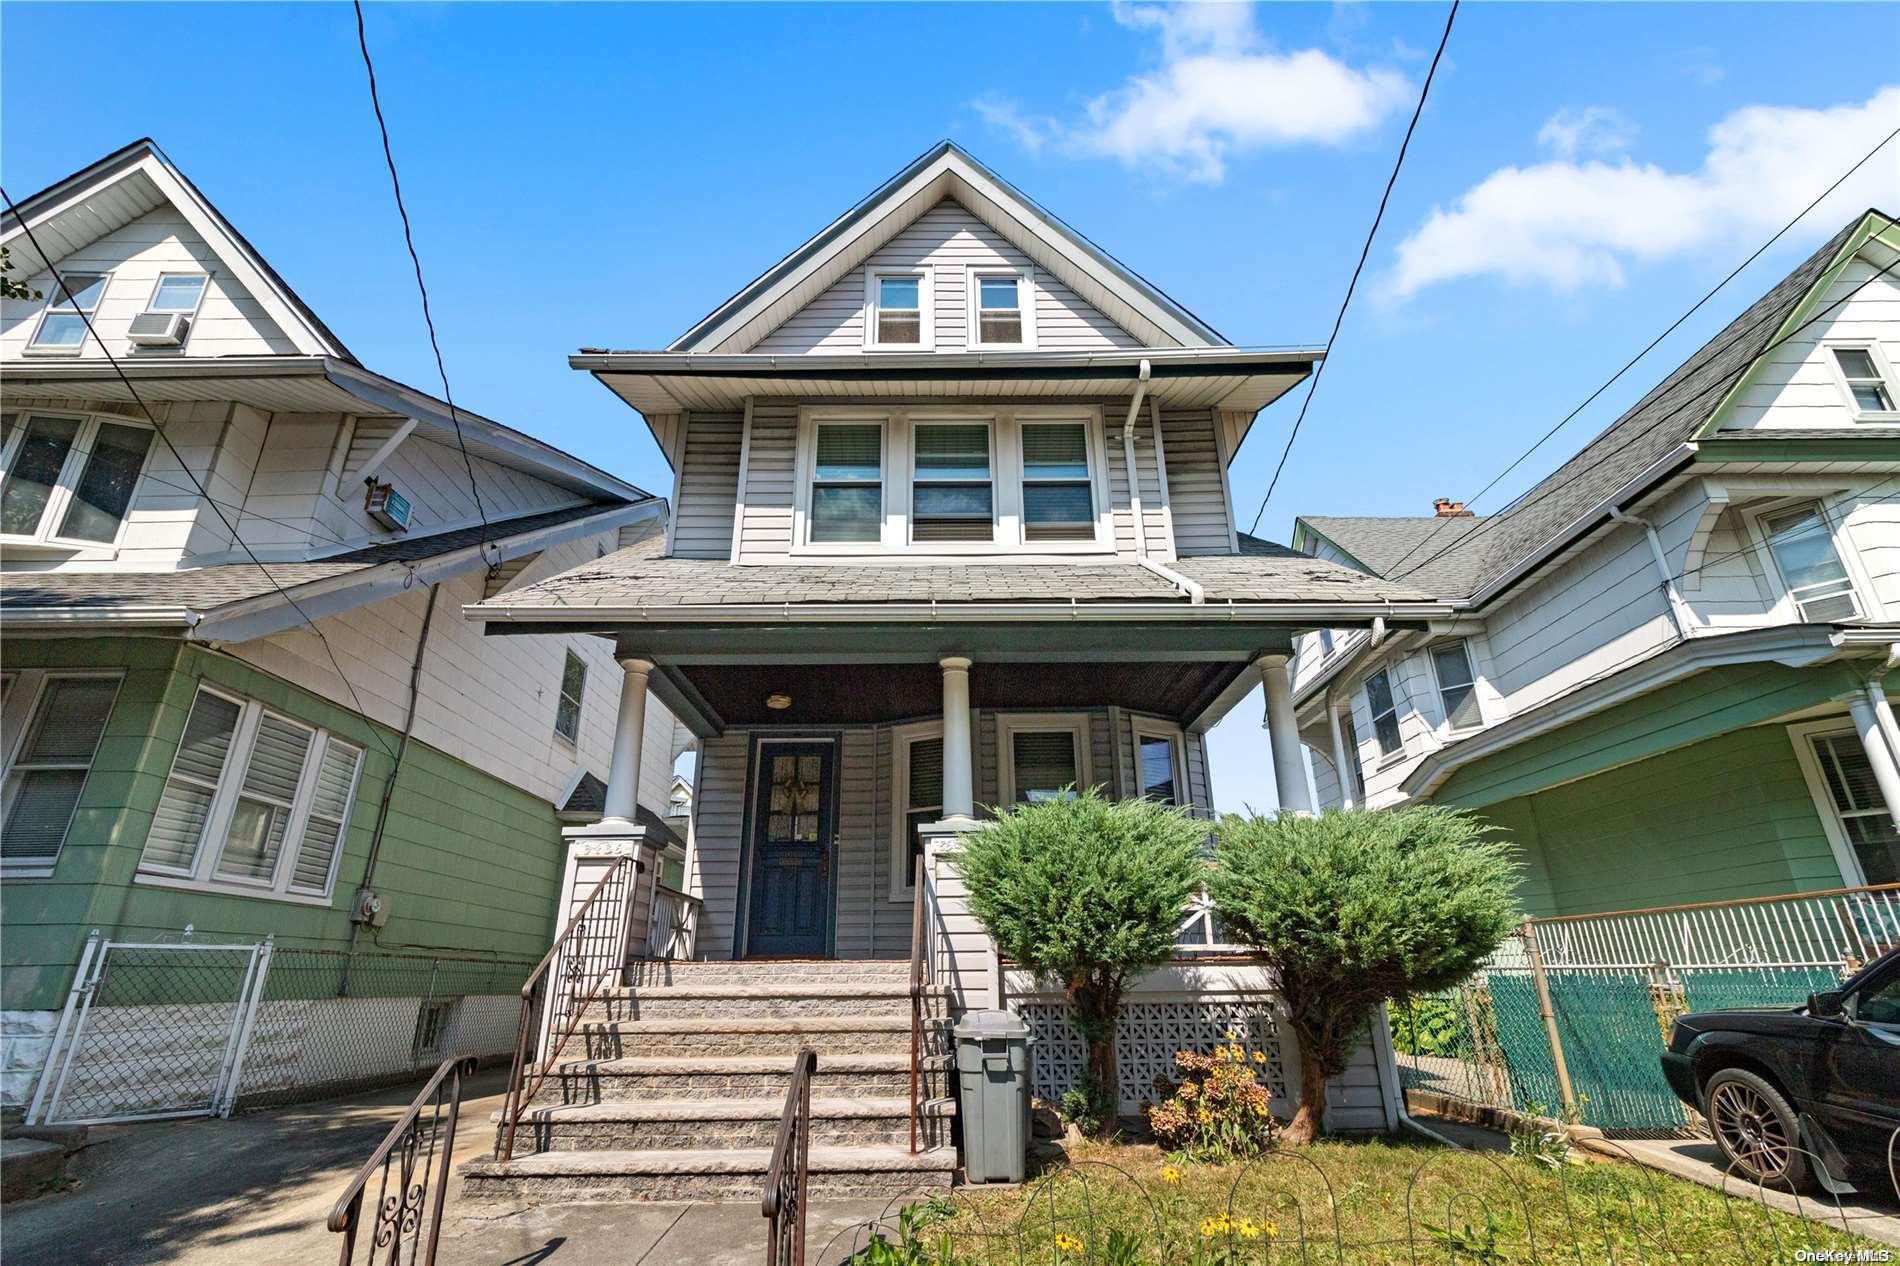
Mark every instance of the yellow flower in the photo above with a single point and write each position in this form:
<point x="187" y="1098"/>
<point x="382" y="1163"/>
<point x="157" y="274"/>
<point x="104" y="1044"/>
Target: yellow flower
<point x="1248" y="1229"/>
<point x="1211" y="1227"/>
<point x="1259" y="1057"/>
<point x="1270" y="1229"/>
<point x="1068" y="1243"/>
<point x="1170" y="1175"/>
<point x="1237" y="1053"/>
<point x="1233" y="1036"/>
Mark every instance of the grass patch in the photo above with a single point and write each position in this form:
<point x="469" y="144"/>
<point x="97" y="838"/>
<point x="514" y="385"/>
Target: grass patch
<point x="1373" y="1201"/>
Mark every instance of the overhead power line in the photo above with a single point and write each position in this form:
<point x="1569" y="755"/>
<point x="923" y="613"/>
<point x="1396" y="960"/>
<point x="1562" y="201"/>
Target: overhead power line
<point x="1365" y="251"/>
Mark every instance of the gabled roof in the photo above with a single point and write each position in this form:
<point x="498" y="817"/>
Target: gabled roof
<point x="105" y="196"/>
<point x="1380" y="542"/>
<point x="1646" y="444"/>
<point x="947" y="170"/>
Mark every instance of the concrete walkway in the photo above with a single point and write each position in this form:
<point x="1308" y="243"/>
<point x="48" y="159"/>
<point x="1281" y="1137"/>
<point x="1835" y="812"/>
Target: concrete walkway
<point x="256" y="1191"/>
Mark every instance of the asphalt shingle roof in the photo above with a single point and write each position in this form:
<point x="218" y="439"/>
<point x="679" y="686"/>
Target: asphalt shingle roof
<point x="202" y="588"/>
<point x="1381" y="542"/>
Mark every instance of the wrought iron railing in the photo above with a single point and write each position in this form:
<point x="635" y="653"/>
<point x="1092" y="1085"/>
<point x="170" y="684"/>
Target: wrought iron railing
<point x="674" y="932"/>
<point x="411" y="1170"/>
<point x="588" y="955"/>
<point x="788" y="1177"/>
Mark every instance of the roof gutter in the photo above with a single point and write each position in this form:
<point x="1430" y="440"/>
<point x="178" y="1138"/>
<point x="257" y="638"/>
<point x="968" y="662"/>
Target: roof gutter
<point x="1164" y="361"/>
<point x="1268" y="613"/>
<point x="114" y="618"/>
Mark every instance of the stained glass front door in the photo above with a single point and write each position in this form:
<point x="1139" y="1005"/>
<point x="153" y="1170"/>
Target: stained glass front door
<point x="791" y="852"/>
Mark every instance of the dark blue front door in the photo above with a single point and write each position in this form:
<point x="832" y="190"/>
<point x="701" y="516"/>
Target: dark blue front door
<point x="791" y="852"/>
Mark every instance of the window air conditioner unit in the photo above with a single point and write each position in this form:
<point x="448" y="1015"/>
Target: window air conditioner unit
<point x="388" y="507"/>
<point x="1832" y="602"/>
<point x="159" y="329"/>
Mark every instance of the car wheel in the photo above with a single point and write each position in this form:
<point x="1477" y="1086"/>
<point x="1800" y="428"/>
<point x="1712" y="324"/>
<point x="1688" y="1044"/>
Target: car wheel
<point x="1756" y="1129"/>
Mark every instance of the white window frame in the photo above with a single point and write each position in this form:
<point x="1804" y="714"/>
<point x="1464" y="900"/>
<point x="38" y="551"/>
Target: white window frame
<point x="1142" y="727"/>
<point x="902" y="736"/>
<point x="24" y="688"/>
<point x="1007" y="535"/>
<point x="1803" y="735"/>
<point x="1025" y="279"/>
<point x="202" y="875"/>
<point x="1882" y="366"/>
<point x="1786" y="605"/>
<point x="915" y="419"/>
<point x="1353" y="780"/>
<point x="560" y="697"/>
<point x="926" y="324"/>
<point x="192" y="311"/>
<point x="56" y="303"/>
<point x="67" y="482"/>
<point x="1389" y="672"/>
<point x="1010" y="724"/>
<point x="1438" y="687"/>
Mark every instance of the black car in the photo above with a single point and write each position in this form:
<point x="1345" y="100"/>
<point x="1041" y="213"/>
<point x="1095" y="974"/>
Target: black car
<point x="1780" y="1085"/>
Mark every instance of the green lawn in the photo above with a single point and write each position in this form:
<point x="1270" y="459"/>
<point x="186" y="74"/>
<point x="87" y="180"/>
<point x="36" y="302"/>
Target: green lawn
<point x="1374" y="1201"/>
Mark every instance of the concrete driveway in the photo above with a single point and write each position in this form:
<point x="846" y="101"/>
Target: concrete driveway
<point x="256" y="1191"/>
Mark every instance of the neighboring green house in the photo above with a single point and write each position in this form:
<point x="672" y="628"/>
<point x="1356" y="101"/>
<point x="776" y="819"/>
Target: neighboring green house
<point x="1666" y="675"/>
<point x="185" y="756"/>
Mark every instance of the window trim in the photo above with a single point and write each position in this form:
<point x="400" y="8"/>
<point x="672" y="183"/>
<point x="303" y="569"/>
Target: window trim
<point x="56" y="302"/>
<point x="159" y="281"/>
<point x="902" y="737"/>
<point x="1025" y="279"/>
<point x="1094" y="447"/>
<point x="1786" y="605"/>
<point x="1804" y="736"/>
<point x="806" y="468"/>
<point x="23" y="696"/>
<point x="1349" y="739"/>
<point x="66" y="484"/>
<point x="988" y="421"/>
<point x="1882" y="366"/>
<point x="1445" y="725"/>
<point x="203" y="876"/>
<point x="1398" y="753"/>
<point x="1010" y="724"/>
<point x="1146" y="727"/>
<point x="560" y="697"/>
<point x="926" y="325"/>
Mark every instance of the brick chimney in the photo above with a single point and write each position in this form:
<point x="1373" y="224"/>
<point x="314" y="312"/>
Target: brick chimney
<point x="1446" y="508"/>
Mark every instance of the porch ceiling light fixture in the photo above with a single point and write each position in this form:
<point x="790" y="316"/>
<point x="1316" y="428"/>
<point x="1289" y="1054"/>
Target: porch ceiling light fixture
<point x="778" y="701"/>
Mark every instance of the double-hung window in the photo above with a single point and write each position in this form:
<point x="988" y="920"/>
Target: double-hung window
<point x="1864" y="377"/>
<point x="919" y="796"/>
<point x="1457" y="684"/>
<point x="1859" y="808"/>
<point x="1385" y="713"/>
<point x="847" y="486"/>
<point x="1058" y="489"/>
<point x="567" y="713"/>
<point x="69" y="478"/>
<point x="1002" y="310"/>
<point x="50" y="758"/>
<point x="951" y="493"/>
<point x="62" y="325"/>
<point x="176" y="294"/>
<point x="1047" y="757"/>
<point x="899" y="304"/>
<point x="1159" y="769"/>
<point x="255" y="801"/>
<point x="1801" y="543"/>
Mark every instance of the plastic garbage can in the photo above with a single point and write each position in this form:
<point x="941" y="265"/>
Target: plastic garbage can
<point x="993" y="1094"/>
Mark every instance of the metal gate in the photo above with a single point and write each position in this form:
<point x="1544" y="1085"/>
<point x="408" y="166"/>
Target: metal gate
<point x="152" y="1030"/>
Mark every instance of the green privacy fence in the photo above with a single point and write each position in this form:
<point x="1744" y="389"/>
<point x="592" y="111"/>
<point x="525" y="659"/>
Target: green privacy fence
<point x="1587" y="1045"/>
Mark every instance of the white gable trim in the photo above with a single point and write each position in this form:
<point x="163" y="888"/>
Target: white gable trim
<point x="946" y="172"/>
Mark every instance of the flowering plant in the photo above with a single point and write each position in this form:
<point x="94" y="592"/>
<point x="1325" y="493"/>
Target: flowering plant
<point x="1218" y="1110"/>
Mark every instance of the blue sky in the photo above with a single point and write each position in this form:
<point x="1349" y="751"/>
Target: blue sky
<point x="597" y="174"/>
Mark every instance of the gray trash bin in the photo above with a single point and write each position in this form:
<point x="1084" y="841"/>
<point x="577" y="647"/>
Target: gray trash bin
<point x="993" y="1094"/>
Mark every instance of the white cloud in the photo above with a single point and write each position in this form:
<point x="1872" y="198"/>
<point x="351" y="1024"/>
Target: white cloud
<point x="1220" y="89"/>
<point x="1568" y="223"/>
<point x="1595" y="130"/>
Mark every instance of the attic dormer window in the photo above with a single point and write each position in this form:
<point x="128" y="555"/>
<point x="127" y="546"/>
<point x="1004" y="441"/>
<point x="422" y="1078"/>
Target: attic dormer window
<point x="897" y="302"/>
<point x="63" y="324"/>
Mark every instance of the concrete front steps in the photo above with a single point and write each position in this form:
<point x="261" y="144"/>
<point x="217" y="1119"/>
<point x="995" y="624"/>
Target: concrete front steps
<point x="673" y="1087"/>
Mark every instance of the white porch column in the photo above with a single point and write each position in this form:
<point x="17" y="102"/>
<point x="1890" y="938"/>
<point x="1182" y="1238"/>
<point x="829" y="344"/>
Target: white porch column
<point x="630" y="727"/>
<point x="1340" y="755"/>
<point x="1283" y="736"/>
<point x="1879" y="755"/>
<point x="959" y="761"/>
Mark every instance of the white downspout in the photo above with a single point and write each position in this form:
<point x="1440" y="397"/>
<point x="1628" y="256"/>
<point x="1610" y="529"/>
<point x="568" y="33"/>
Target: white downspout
<point x="1340" y="754"/>
<point x="1128" y="459"/>
<point x="1877" y="695"/>
<point x="1679" y="613"/>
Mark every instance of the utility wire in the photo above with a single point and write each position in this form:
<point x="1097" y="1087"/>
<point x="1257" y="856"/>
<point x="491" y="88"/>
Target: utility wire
<point x="178" y="457"/>
<point x="1364" y="252"/>
<point x="1673" y="326"/>
<point x="409" y="240"/>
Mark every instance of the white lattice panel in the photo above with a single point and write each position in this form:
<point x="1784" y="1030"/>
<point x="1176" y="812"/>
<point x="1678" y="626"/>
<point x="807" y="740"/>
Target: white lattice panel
<point x="1145" y="1042"/>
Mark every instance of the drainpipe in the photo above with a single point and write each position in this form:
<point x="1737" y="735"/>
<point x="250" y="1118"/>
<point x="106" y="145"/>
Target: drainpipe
<point x="1679" y="614"/>
<point x="1877" y="695"/>
<point x="1128" y="459"/>
<point x="1340" y="754"/>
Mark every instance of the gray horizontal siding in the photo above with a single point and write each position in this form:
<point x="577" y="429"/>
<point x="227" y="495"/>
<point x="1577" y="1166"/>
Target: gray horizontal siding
<point x="709" y="485"/>
<point x="1197" y="496"/>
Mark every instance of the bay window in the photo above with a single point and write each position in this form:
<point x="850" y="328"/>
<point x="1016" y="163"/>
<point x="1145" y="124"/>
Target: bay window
<point x="1046" y="757"/>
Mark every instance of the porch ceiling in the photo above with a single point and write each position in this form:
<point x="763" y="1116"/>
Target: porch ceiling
<point x="872" y="693"/>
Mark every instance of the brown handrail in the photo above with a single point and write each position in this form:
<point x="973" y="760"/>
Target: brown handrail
<point x="916" y="993"/>
<point x="400" y="1211"/>
<point x="783" y="1198"/>
<point x="607" y="944"/>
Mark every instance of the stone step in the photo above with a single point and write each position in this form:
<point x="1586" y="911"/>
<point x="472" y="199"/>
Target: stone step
<point x="723" y="1174"/>
<point x="771" y="971"/>
<point x="759" y="998"/>
<point x="839" y="1035"/>
<point x="734" y="1077"/>
<point x="699" y="1124"/>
